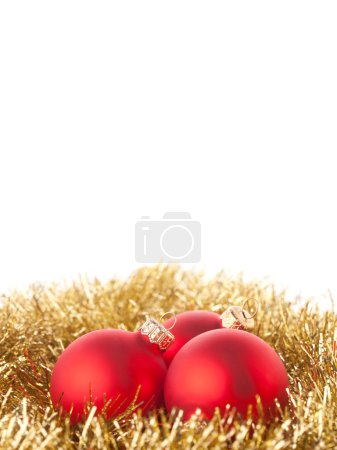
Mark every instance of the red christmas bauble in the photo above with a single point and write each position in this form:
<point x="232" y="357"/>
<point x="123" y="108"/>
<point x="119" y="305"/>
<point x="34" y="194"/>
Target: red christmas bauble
<point x="109" y="368"/>
<point x="222" y="367"/>
<point x="186" y="326"/>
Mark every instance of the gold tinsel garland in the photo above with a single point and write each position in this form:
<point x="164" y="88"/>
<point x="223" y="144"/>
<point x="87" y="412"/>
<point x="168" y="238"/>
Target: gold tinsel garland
<point x="37" y="325"/>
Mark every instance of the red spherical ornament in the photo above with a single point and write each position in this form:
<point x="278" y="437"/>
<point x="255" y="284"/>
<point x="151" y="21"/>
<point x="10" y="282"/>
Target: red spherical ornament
<point x="222" y="367"/>
<point x="186" y="326"/>
<point x="109" y="368"/>
<point x="190" y="324"/>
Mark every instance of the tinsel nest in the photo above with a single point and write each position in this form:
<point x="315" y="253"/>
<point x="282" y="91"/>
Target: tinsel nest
<point x="37" y="325"/>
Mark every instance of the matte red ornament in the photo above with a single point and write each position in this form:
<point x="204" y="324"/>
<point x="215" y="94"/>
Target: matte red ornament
<point x="222" y="367"/>
<point x="109" y="368"/>
<point x="190" y="324"/>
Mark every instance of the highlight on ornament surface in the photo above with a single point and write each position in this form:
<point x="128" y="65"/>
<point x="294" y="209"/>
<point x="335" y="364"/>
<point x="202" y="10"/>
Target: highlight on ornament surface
<point x="55" y="341"/>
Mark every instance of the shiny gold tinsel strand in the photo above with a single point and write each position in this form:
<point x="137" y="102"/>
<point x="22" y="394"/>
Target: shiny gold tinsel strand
<point x="37" y="325"/>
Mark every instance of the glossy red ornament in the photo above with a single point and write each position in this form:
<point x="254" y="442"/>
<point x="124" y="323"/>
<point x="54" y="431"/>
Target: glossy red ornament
<point x="190" y="324"/>
<point x="223" y="367"/>
<point x="108" y="368"/>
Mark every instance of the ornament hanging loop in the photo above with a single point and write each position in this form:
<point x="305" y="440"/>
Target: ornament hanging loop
<point x="174" y="319"/>
<point x="253" y="310"/>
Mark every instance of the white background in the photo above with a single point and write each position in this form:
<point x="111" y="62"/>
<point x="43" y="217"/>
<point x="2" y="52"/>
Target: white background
<point x="114" y="110"/>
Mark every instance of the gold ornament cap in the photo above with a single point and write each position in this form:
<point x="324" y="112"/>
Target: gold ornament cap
<point x="157" y="333"/>
<point x="237" y="317"/>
